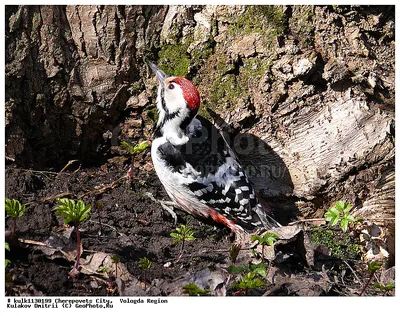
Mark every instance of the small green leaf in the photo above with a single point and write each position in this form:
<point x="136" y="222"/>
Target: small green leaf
<point x="388" y="287"/>
<point x="102" y="269"/>
<point x="192" y="289"/>
<point x="14" y="208"/>
<point x="7" y="246"/>
<point x="183" y="233"/>
<point x="344" y="224"/>
<point x="248" y="281"/>
<point x="255" y="237"/>
<point x="7" y="262"/>
<point x="260" y="269"/>
<point x="374" y="266"/>
<point x="270" y="238"/>
<point x="332" y="216"/>
<point x="133" y="150"/>
<point x="340" y="205"/>
<point x="145" y="263"/>
<point x="140" y="147"/>
<point x="176" y="236"/>
<point x="73" y="212"/>
<point x="128" y="147"/>
<point x="115" y="259"/>
<point x="234" y="251"/>
<point x="237" y="269"/>
<point x="347" y="208"/>
<point x="349" y="217"/>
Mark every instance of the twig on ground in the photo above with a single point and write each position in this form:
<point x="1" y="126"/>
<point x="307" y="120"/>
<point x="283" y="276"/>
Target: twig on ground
<point x="33" y="242"/>
<point x="274" y="289"/>
<point x="40" y="171"/>
<point x="104" y="188"/>
<point x="354" y="273"/>
<point x="66" y="166"/>
<point x="307" y="220"/>
<point x="50" y="198"/>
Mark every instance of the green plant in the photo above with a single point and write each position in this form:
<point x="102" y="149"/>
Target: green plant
<point x="14" y="209"/>
<point x="268" y="239"/>
<point x="248" y="281"/>
<point x="234" y="252"/>
<point x="74" y="213"/>
<point x="182" y="234"/>
<point x="193" y="290"/>
<point x="388" y="287"/>
<point x="102" y="269"/>
<point x="174" y="59"/>
<point x="339" y="213"/>
<point x="373" y="266"/>
<point x="340" y="245"/>
<point x="7" y="248"/>
<point x="260" y="269"/>
<point x="133" y="150"/>
<point x="116" y="259"/>
<point x="145" y="265"/>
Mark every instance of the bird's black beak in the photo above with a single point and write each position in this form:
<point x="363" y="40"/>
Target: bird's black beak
<point x="161" y="75"/>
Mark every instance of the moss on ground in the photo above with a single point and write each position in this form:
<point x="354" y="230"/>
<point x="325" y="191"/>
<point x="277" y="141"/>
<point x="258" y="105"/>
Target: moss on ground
<point x="302" y="23"/>
<point x="224" y="83"/>
<point x="263" y="19"/>
<point x="341" y="245"/>
<point x="174" y="60"/>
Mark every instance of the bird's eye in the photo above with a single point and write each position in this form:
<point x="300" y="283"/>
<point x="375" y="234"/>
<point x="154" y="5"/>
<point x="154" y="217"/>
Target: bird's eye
<point x="171" y="86"/>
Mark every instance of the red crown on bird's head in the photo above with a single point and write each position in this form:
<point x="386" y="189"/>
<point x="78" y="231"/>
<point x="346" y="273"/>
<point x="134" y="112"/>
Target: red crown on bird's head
<point x="190" y="92"/>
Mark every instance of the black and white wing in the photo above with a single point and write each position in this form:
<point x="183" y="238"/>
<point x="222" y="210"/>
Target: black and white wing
<point x="212" y="173"/>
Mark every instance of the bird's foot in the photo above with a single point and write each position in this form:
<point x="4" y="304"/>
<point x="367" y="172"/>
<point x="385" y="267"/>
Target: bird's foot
<point x="166" y="205"/>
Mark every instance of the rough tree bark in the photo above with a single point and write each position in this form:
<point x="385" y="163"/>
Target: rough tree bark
<point x="312" y="85"/>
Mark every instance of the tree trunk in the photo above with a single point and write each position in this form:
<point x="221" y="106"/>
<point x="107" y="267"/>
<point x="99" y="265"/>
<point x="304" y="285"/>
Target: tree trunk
<point x="308" y="92"/>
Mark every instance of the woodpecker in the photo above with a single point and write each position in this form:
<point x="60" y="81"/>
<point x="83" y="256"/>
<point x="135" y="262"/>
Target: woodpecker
<point x="195" y="164"/>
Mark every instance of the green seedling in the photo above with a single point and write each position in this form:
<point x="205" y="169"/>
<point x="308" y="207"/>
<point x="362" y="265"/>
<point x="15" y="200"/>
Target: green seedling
<point x="133" y="150"/>
<point x="74" y="213"/>
<point x="248" y="281"/>
<point x="373" y="266"/>
<point x="184" y="233"/>
<point x="260" y="269"/>
<point x="116" y="259"/>
<point x="193" y="290"/>
<point x="14" y="209"/>
<point x="145" y="265"/>
<point x="7" y="248"/>
<point x="388" y="287"/>
<point x="102" y="269"/>
<point x="268" y="239"/>
<point x="234" y="252"/>
<point x="238" y="269"/>
<point x="340" y="213"/>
